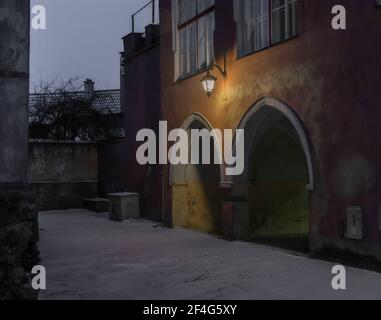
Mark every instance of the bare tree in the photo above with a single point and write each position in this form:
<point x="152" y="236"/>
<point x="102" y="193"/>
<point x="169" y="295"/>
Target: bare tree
<point x="62" y="112"/>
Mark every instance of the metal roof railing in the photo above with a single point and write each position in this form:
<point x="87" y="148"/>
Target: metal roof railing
<point x="153" y="3"/>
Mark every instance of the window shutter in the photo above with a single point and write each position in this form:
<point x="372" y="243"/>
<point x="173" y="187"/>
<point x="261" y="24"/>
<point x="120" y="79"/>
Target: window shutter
<point x="210" y="34"/>
<point x="202" y="42"/>
<point x="237" y="8"/>
<point x="183" y="52"/>
<point x="175" y="20"/>
<point x="191" y="44"/>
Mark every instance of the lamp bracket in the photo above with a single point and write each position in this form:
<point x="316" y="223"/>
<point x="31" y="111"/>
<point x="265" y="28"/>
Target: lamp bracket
<point x="223" y="71"/>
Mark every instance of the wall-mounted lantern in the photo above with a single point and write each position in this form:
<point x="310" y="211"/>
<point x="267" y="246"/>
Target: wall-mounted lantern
<point x="209" y="81"/>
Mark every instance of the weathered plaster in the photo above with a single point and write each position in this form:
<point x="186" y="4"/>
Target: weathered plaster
<point x="330" y="79"/>
<point x="14" y="87"/>
<point x="18" y="214"/>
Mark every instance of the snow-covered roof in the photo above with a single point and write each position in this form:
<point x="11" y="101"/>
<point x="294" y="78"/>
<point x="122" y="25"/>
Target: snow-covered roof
<point x="104" y="101"/>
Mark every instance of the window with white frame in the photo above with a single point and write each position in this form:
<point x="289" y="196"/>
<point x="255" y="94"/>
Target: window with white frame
<point x="193" y="28"/>
<point x="261" y="23"/>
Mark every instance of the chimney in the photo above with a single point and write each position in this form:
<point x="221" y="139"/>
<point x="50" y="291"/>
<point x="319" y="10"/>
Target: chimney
<point x="152" y="34"/>
<point x="88" y="89"/>
<point x="133" y="43"/>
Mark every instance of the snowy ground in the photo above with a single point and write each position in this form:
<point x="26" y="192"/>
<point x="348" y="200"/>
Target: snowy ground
<point x="89" y="257"/>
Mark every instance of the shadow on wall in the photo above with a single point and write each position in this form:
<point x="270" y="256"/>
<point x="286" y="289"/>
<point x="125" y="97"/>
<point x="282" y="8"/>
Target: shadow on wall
<point x="196" y="193"/>
<point x="278" y="197"/>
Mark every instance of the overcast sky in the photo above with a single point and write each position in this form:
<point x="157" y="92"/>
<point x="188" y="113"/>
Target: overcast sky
<point x="82" y="39"/>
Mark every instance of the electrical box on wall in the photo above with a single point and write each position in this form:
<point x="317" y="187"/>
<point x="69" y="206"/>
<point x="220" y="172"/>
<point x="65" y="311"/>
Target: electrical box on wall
<point x="354" y="228"/>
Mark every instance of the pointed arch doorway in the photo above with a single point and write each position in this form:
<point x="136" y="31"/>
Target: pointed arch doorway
<point x="196" y="192"/>
<point x="278" y="176"/>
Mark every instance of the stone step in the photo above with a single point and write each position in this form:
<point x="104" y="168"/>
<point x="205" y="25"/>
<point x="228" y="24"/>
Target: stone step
<point x="97" y="205"/>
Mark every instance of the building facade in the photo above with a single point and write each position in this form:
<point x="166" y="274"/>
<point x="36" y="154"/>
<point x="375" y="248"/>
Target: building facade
<point x="140" y="87"/>
<point x="307" y="97"/>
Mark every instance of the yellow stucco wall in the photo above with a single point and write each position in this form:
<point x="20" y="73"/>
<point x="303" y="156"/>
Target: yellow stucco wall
<point x="197" y="206"/>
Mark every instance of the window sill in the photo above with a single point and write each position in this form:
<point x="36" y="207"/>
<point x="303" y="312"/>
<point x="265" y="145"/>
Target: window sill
<point x="268" y="47"/>
<point x="191" y="75"/>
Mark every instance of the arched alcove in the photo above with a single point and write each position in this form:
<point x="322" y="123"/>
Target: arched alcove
<point x="278" y="175"/>
<point x="196" y="193"/>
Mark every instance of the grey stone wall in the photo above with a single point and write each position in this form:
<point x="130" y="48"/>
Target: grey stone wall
<point x="62" y="174"/>
<point x="18" y="238"/>
<point x="18" y="215"/>
<point x="14" y="87"/>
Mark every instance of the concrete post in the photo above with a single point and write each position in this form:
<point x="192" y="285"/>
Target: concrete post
<point x="18" y="216"/>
